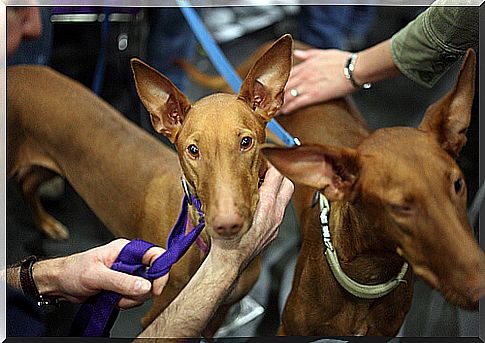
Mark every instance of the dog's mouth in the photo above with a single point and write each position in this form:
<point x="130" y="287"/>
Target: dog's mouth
<point x="457" y="294"/>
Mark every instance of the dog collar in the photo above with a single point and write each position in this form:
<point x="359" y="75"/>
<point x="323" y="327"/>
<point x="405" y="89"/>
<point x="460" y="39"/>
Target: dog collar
<point x="353" y="287"/>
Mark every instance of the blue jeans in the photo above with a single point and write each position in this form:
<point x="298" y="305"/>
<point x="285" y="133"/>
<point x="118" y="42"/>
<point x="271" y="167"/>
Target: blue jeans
<point x="35" y="51"/>
<point x="170" y="38"/>
<point x="328" y="27"/>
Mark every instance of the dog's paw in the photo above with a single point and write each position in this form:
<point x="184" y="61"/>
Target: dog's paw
<point x="54" y="229"/>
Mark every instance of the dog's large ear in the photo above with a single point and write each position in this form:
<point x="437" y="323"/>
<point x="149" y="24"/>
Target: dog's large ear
<point x="448" y="118"/>
<point x="264" y="86"/>
<point x="166" y="104"/>
<point x="332" y="170"/>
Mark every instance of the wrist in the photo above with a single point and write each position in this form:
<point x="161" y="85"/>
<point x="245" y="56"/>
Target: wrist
<point x="355" y="75"/>
<point x="229" y="259"/>
<point x="47" y="276"/>
<point x="375" y="64"/>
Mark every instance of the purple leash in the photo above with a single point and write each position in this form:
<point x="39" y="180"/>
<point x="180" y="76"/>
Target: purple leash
<point x="98" y="314"/>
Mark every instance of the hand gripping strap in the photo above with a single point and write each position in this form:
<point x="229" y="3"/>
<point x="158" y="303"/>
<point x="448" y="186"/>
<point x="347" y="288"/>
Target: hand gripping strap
<point x="97" y="316"/>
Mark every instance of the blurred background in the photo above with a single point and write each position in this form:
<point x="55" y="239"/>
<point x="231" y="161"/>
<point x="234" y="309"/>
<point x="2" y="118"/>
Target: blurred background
<point x="94" y="45"/>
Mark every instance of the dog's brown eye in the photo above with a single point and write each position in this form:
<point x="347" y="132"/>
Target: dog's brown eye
<point x="193" y="150"/>
<point x="458" y="185"/>
<point x="246" y="143"/>
<point x="402" y="209"/>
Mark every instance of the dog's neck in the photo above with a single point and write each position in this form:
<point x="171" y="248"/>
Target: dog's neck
<point x="364" y="255"/>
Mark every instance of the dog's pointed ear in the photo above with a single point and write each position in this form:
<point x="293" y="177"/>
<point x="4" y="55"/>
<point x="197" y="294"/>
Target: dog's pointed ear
<point x="333" y="170"/>
<point x="166" y="104"/>
<point x="264" y="86"/>
<point x="448" y="118"/>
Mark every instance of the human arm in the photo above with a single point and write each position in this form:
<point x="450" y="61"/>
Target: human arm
<point x="191" y="310"/>
<point x="319" y="77"/>
<point x="428" y="46"/>
<point x="77" y="277"/>
<point x="423" y="51"/>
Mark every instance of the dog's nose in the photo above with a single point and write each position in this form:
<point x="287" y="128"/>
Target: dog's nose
<point x="228" y="224"/>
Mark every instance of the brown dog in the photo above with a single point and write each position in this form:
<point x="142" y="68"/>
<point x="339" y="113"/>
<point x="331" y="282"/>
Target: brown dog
<point x="131" y="181"/>
<point x="396" y="195"/>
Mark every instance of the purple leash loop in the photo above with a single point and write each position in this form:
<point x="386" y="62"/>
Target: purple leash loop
<point x="98" y="314"/>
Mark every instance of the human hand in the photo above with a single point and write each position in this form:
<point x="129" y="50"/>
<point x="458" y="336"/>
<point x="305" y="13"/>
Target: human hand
<point x="79" y="276"/>
<point x="274" y="195"/>
<point x="319" y="77"/>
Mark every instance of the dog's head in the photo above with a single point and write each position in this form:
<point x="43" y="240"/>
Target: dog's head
<point x="218" y="137"/>
<point x="409" y="186"/>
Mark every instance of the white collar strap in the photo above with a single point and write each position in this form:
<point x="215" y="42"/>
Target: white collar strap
<point x="353" y="287"/>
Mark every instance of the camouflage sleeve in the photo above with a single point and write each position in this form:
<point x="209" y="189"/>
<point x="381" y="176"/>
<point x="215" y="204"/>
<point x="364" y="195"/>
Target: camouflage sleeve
<point x="427" y="47"/>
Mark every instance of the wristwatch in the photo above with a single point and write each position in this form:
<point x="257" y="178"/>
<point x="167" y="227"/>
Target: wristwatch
<point x="29" y="288"/>
<point x="349" y="70"/>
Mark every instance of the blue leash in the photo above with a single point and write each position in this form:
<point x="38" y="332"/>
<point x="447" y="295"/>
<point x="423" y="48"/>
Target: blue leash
<point x="223" y="66"/>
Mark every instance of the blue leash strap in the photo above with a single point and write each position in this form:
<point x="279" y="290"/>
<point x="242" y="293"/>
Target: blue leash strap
<point x="215" y="54"/>
<point x="223" y="66"/>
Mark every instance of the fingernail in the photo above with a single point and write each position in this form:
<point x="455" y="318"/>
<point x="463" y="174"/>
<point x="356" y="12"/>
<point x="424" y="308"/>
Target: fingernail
<point x="142" y="285"/>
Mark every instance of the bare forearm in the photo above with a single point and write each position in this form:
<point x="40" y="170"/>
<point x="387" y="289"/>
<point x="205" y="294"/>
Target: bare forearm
<point x="375" y="64"/>
<point x="11" y="276"/>
<point x="190" y="312"/>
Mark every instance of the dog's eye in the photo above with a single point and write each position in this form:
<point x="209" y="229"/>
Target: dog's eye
<point x="458" y="185"/>
<point x="246" y="143"/>
<point x="193" y="150"/>
<point x="401" y="209"/>
<point x="404" y="207"/>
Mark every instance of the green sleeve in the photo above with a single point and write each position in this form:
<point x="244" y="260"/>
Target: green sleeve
<point x="428" y="46"/>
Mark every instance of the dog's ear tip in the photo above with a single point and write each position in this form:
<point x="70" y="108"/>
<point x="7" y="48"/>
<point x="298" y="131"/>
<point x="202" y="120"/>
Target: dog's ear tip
<point x="286" y="38"/>
<point x="135" y="62"/>
<point x="470" y="52"/>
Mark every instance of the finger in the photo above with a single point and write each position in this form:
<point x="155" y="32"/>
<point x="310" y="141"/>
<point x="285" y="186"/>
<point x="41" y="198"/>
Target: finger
<point x="289" y="100"/>
<point x="126" y="303"/>
<point x="304" y="54"/>
<point x="286" y="191"/>
<point x="297" y="74"/>
<point x="151" y="255"/>
<point x="299" y="86"/>
<point x="320" y="53"/>
<point x="124" y="284"/>
<point x="159" y="284"/>
<point x="111" y="250"/>
<point x="298" y="102"/>
<point x="272" y="181"/>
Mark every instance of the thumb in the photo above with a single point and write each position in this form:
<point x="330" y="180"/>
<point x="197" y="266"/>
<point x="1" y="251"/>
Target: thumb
<point x="122" y="283"/>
